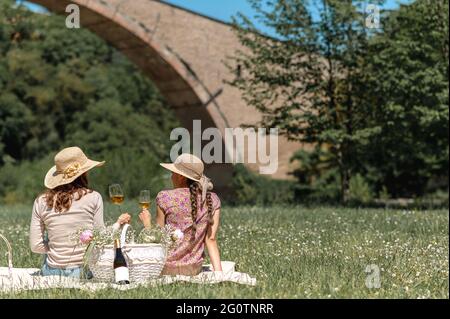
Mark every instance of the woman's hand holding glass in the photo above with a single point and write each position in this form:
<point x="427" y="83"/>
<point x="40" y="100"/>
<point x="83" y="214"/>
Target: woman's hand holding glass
<point x="144" y="202"/>
<point x="146" y="218"/>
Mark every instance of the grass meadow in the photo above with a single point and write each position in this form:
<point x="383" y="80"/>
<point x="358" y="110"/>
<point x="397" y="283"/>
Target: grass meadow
<point x="294" y="252"/>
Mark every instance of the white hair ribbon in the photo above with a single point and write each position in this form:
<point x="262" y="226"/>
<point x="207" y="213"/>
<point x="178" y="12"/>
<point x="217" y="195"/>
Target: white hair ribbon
<point x="205" y="185"/>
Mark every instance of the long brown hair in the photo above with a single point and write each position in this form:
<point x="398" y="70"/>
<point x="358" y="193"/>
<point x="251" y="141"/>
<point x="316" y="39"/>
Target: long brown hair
<point x="61" y="197"/>
<point x="194" y="189"/>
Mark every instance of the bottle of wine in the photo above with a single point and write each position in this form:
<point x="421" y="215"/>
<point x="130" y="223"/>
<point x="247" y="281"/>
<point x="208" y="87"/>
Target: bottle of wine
<point x="122" y="275"/>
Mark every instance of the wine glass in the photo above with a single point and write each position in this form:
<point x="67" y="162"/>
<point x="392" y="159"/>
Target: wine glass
<point x="116" y="195"/>
<point x="144" y="199"/>
<point x="144" y="202"/>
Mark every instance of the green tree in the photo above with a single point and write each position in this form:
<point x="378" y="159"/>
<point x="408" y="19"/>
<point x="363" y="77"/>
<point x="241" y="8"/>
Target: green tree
<point x="108" y="125"/>
<point x="52" y="78"/>
<point x="307" y="82"/>
<point x="61" y="87"/>
<point x="406" y="72"/>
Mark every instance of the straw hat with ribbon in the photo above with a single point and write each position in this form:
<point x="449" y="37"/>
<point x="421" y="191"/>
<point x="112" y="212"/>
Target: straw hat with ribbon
<point x="190" y="166"/>
<point x="70" y="163"/>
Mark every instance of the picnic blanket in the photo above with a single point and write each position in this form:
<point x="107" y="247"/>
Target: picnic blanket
<point x="17" y="279"/>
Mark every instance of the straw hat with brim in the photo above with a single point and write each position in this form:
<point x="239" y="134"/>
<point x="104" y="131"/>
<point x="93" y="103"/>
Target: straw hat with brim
<point x="70" y="164"/>
<point x="190" y="166"/>
<point x="187" y="165"/>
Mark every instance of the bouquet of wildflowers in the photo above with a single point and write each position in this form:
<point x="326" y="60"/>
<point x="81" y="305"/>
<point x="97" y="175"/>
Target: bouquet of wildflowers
<point x="97" y="237"/>
<point x="166" y="236"/>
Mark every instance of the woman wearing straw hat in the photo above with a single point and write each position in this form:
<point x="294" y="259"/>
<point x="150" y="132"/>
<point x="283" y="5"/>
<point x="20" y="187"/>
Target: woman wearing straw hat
<point x="67" y="205"/>
<point x="193" y="209"/>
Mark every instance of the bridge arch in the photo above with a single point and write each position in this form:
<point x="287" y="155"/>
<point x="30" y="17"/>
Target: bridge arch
<point x="182" y="52"/>
<point x="174" y="77"/>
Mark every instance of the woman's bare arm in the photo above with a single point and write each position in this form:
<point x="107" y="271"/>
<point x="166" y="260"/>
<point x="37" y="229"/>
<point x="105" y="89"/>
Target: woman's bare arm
<point x="146" y="217"/>
<point x="160" y="217"/>
<point x="211" y="242"/>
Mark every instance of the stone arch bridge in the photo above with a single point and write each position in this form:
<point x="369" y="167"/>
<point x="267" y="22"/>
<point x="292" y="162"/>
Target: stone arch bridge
<point x="183" y="53"/>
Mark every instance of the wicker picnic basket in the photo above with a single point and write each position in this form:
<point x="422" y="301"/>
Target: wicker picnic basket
<point x="9" y="253"/>
<point x="145" y="261"/>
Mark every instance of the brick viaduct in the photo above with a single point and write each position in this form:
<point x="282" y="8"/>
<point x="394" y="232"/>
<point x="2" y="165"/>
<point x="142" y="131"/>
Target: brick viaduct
<point x="183" y="53"/>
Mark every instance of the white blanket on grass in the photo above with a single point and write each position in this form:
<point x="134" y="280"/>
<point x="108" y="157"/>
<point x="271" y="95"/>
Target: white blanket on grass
<point x="27" y="279"/>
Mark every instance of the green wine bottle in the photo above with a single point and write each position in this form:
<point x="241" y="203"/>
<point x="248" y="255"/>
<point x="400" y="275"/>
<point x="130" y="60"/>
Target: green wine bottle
<point x="121" y="272"/>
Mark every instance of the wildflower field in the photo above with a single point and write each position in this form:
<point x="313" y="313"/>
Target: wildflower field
<point x="294" y="252"/>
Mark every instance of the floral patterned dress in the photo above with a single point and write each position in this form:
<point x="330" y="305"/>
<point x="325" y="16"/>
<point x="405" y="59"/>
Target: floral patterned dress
<point x="187" y="257"/>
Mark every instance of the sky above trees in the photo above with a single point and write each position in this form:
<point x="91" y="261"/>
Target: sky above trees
<point x="224" y="10"/>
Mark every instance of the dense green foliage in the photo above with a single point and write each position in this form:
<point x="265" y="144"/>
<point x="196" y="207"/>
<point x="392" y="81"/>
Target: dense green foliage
<point x="62" y="87"/>
<point x="407" y="76"/>
<point x="293" y="252"/>
<point x="251" y="188"/>
<point x="372" y="103"/>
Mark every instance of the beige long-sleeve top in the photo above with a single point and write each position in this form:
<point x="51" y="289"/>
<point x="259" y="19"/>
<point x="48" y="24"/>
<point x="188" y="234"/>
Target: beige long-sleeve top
<point x="61" y="251"/>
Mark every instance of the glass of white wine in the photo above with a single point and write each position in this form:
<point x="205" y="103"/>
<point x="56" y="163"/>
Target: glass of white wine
<point x="144" y="199"/>
<point x="144" y="202"/>
<point x="116" y="195"/>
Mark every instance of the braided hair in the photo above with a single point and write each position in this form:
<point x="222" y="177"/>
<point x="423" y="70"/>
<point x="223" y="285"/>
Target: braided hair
<point x="194" y="189"/>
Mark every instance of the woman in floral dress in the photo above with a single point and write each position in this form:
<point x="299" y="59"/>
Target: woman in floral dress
<point x="192" y="208"/>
